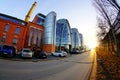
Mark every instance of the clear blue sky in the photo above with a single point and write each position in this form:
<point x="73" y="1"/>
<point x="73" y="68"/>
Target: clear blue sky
<point x="80" y="13"/>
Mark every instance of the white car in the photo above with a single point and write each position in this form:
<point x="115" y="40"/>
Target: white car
<point x="26" y="53"/>
<point x="60" y="53"/>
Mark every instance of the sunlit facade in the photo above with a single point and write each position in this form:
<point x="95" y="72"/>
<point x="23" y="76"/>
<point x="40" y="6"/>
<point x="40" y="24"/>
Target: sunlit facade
<point x="75" y="39"/>
<point x="63" y="35"/>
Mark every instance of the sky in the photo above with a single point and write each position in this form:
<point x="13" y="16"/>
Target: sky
<point x="80" y="13"/>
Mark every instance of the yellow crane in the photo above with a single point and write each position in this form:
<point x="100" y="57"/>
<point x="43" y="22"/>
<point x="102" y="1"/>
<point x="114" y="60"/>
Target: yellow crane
<point x="30" y="12"/>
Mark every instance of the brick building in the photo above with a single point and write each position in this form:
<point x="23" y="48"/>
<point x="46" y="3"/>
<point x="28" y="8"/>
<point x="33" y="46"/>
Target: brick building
<point x="20" y="34"/>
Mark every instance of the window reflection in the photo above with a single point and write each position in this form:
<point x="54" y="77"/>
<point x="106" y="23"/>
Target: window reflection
<point x="63" y="35"/>
<point x="75" y="39"/>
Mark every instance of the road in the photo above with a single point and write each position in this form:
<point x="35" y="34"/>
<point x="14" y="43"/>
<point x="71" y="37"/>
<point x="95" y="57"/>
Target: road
<point x="76" y="67"/>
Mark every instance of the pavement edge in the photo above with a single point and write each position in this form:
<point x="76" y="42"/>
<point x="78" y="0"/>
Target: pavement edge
<point x="94" y="68"/>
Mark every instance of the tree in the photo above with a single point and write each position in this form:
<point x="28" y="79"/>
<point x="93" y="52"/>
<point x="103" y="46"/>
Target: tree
<point x="106" y="9"/>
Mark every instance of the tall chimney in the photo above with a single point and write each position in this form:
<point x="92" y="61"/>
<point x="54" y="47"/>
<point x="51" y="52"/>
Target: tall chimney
<point x="30" y="12"/>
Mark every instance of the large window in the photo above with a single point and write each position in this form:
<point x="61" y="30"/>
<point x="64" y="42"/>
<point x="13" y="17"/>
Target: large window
<point x="39" y="38"/>
<point x="17" y="30"/>
<point x="6" y="27"/>
<point x="3" y="38"/>
<point x="35" y="36"/>
<point x="30" y="37"/>
<point x="15" y="41"/>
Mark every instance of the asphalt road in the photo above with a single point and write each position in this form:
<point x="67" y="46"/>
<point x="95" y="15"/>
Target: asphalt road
<point x="76" y="67"/>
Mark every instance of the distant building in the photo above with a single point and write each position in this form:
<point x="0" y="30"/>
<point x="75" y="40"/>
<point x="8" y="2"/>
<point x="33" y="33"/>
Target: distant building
<point x="81" y="40"/>
<point x="75" y="39"/>
<point x="63" y="35"/>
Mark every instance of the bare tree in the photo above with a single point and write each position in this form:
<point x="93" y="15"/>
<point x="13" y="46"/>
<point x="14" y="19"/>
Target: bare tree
<point x="102" y="28"/>
<point x="114" y="3"/>
<point x="108" y="9"/>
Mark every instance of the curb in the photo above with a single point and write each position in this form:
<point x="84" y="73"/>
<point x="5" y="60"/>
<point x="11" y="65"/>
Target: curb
<point x="94" y="68"/>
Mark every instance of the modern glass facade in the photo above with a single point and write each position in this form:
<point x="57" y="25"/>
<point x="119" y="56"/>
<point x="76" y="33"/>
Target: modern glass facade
<point x="75" y="39"/>
<point x="63" y="35"/>
<point x="50" y="29"/>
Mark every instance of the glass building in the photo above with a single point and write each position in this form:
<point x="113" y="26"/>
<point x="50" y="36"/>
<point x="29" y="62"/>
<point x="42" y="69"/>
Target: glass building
<point x="63" y="35"/>
<point x="81" y="40"/>
<point x="50" y="28"/>
<point x="75" y="39"/>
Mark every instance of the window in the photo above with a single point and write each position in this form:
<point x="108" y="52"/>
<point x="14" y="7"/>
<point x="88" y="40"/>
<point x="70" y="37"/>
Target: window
<point x="6" y="27"/>
<point x="40" y="21"/>
<point x="35" y="36"/>
<point x="15" y="41"/>
<point x="3" y="38"/>
<point x="30" y="37"/>
<point x="17" y="30"/>
<point x="39" y="37"/>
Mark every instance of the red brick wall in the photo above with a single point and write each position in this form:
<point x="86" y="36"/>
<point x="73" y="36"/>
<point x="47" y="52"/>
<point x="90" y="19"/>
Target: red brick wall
<point x="10" y="35"/>
<point x="49" y="48"/>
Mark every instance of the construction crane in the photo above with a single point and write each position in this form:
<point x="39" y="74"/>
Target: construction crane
<point x="30" y="12"/>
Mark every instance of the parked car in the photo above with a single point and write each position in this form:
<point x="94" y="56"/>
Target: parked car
<point x="75" y="52"/>
<point x="40" y="54"/>
<point x="60" y="53"/>
<point x="26" y="53"/>
<point x="8" y="51"/>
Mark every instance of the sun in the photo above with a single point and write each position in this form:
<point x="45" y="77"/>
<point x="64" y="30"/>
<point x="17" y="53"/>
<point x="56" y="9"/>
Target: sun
<point x="92" y="45"/>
